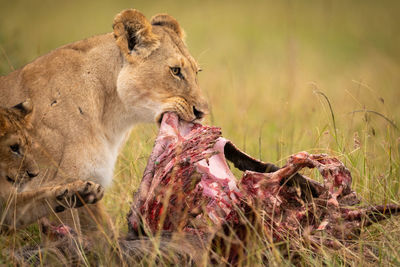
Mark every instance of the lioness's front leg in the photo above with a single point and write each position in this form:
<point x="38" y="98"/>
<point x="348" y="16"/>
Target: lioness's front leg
<point x="28" y="207"/>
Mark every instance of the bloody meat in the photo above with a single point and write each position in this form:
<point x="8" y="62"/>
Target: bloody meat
<point x="188" y="187"/>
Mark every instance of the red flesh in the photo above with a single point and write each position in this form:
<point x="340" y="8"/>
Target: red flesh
<point x="188" y="186"/>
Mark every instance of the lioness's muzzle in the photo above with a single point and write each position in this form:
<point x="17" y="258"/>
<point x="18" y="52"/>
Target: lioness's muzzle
<point x="182" y="108"/>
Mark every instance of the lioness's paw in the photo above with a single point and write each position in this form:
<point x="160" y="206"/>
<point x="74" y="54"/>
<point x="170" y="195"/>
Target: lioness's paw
<point x="77" y="194"/>
<point x="88" y="193"/>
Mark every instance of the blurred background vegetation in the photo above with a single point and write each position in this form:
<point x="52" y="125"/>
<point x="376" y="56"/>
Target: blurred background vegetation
<point x="264" y="63"/>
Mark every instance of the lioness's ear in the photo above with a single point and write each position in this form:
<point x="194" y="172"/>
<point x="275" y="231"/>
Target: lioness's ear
<point x="24" y="109"/>
<point x="168" y="21"/>
<point x="133" y="34"/>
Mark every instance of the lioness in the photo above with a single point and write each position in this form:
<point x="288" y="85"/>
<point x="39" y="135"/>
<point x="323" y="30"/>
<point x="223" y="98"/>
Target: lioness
<point x="18" y="168"/>
<point x="88" y="94"/>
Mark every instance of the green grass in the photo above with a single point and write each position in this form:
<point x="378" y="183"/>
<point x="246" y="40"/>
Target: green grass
<point x="263" y="62"/>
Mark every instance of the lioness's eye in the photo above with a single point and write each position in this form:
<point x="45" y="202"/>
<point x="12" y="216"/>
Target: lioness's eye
<point x="15" y="148"/>
<point x="176" y="71"/>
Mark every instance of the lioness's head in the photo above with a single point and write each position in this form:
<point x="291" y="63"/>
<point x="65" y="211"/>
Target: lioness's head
<point x="158" y="73"/>
<point x="17" y="165"/>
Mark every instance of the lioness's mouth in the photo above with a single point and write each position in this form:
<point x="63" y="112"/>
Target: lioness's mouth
<point x="182" y="108"/>
<point x="159" y="117"/>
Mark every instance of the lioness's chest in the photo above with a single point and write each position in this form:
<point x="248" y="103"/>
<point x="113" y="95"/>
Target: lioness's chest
<point x="100" y="162"/>
<point x="103" y="168"/>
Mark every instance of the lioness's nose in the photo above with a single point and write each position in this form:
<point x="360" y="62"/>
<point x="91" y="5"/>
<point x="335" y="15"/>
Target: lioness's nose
<point x="198" y="113"/>
<point x="200" y="109"/>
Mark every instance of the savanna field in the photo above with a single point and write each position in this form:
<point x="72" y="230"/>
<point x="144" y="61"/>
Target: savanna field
<point x="280" y="77"/>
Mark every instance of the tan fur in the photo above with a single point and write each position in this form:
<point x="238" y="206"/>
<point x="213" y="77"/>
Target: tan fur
<point x="134" y="22"/>
<point x="88" y="95"/>
<point x="17" y="168"/>
<point x="170" y="22"/>
<point x="16" y="162"/>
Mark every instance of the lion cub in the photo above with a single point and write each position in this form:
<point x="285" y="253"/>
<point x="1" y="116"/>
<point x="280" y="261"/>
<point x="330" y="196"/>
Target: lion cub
<point x="17" y="168"/>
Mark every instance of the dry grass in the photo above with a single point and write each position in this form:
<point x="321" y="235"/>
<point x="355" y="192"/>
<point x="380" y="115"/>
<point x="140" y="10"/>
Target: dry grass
<point x="264" y="62"/>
